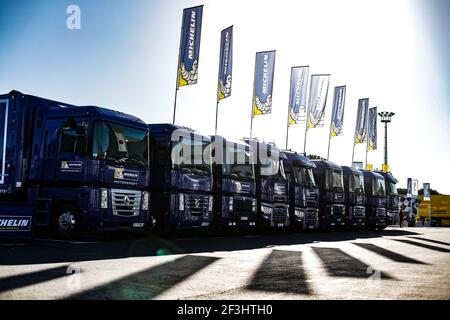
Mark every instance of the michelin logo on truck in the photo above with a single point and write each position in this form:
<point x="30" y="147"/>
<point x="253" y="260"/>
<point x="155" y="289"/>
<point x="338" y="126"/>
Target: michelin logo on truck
<point x="12" y="223"/>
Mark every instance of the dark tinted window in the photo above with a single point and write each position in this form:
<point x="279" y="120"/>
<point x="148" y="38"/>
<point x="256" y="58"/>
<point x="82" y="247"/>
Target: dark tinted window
<point x="73" y="137"/>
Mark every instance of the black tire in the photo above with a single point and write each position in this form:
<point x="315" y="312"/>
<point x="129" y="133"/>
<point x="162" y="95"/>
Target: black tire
<point x="66" y="222"/>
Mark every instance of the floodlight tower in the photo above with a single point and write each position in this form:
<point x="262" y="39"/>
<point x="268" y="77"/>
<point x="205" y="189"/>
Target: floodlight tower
<point x="386" y="118"/>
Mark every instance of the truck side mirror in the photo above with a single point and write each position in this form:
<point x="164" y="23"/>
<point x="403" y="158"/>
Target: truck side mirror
<point x="70" y="124"/>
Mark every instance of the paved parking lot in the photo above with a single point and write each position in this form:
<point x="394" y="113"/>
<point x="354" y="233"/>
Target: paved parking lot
<point x="409" y="263"/>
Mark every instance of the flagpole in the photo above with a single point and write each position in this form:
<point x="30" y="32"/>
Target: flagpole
<point x="306" y="132"/>
<point x="218" y="84"/>
<point x="253" y="96"/>
<point x="367" y="149"/>
<point x="217" y="99"/>
<point x="178" y="74"/>
<point x="353" y="152"/>
<point x="329" y="141"/>
<point x="288" y="114"/>
<point x="307" y="116"/>
<point x="287" y="130"/>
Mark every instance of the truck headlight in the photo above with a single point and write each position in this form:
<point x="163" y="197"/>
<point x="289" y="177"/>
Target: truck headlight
<point x="210" y="203"/>
<point x="253" y="205"/>
<point x="266" y="211"/>
<point x="230" y="204"/>
<point x="103" y="198"/>
<point x="299" y="214"/>
<point x="181" y="202"/>
<point x="145" y="200"/>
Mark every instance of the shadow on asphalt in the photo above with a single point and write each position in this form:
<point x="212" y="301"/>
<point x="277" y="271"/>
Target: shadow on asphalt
<point x="31" y="278"/>
<point x="281" y="271"/>
<point x="337" y="263"/>
<point x="394" y="256"/>
<point x="148" y="283"/>
<point x="48" y="251"/>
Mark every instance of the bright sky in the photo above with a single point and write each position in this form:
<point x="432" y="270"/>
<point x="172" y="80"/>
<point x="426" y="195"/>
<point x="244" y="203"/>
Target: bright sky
<point x="125" y="57"/>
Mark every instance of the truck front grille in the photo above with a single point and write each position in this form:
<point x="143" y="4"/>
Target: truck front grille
<point x="338" y="210"/>
<point x="244" y="205"/>
<point x="380" y="212"/>
<point x="196" y="204"/>
<point x="310" y="216"/>
<point x="359" y="211"/>
<point x="125" y="202"/>
<point x="279" y="214"/>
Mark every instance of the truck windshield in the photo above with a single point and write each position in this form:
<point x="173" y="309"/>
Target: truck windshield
<point x="273" y="167"/>
<point x="192" y="155"/>
<point x="356" y="183"/>
<point x="392" y="188"/>
<point x="238" y="164"/>
<point x="304" y="176"/>
<point x="379" y="187"/>
<point x="334" y="180"/>
<point x="120" y="144"/>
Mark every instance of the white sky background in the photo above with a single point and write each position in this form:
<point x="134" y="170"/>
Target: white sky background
<point x="382" y="49"/>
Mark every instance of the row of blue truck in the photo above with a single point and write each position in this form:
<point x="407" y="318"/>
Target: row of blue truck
<point x="79" y="169"/>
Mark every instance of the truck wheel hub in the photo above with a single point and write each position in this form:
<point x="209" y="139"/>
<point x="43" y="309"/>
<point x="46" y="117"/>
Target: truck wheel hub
<point x="66" y="222"/>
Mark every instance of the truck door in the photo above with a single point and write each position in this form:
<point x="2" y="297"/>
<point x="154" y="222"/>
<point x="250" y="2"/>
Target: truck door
<point x="71" y="164"/>
<point x="4" y="108"/>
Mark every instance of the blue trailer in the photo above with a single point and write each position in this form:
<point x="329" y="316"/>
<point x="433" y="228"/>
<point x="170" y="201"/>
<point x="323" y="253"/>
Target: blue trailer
<point x="234" y="185"/>
<point x="303" y="191"/>
<point x="330" y="179"/>
<point x="180" y="179"/>
<point x="375" y="190"/>
<point x="355" y="210"/>
<point x="271" y="186"/>
<point x="69" y="168"/>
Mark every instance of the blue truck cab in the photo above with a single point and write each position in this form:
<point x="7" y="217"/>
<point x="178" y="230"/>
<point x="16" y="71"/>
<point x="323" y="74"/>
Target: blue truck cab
<point x="375" y="190"/>
<point x="303" y="191"/>
<point x="392" y="198"/>
<point x="234" y="185"/>
<point x="71" y="168"/>
<point x="271" y="186"/>
<point x="330" y="179"/>
<point x="355" y="210"/>
<point x="181" y="178"/>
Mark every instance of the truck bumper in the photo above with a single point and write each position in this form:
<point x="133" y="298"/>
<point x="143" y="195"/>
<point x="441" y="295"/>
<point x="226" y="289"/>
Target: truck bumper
<point x="238" y="212"/>
<point x="358" y="217"/>
<point x="305" y="218"/>
<point x="112" y="222"/>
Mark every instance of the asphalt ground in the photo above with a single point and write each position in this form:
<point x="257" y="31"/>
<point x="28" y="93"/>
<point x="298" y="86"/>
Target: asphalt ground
<point x="396" y="263"/>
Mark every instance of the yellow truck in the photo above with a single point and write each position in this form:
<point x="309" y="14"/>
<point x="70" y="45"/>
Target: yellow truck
<point x="440" y="210"/>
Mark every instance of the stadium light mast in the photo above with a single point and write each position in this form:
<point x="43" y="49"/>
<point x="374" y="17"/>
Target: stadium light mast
<point x="386" y="118"/>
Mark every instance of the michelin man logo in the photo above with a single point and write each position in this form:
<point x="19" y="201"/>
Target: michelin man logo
<point x="225" y="89"/>
<point x="189" y="77"/>
<point x="118" y="173"/>
<point x="263" y="107"/>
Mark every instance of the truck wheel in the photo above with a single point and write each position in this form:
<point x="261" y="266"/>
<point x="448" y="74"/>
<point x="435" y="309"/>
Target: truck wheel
<point x="67" y="221"/>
